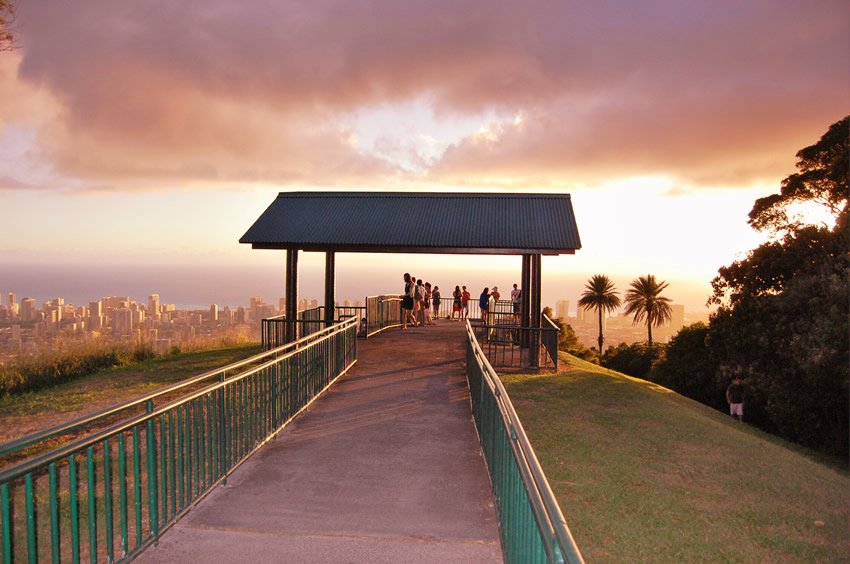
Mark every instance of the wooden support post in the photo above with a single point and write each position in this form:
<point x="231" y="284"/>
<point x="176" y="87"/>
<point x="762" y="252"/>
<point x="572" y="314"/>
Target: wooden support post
<point x="330" y="286"/>
<point x="291" y="294"/>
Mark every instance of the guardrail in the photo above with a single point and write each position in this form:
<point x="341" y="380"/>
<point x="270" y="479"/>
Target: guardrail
<point x="532" y="526"/>
<point x="109" y="495"/>
<point x="509" y="345"/>
<point x="382" y="312"/>
<point x="273" y="329"/>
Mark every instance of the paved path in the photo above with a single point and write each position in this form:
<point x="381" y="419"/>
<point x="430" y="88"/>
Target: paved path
<point x="384" y="468"/>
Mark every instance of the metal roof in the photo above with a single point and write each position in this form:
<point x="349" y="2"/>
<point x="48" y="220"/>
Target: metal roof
<point x="421" y="222"/>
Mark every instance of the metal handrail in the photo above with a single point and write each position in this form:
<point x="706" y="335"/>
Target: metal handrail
<point x="382" y="312"/>
<point x="16" y="445"/>
<point x="145" y="472"/>
<point x="558" y="542"/>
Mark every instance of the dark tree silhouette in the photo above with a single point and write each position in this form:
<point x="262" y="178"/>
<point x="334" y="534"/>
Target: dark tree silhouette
<point x="599" y="294"/>
<point x="645" y="302"/>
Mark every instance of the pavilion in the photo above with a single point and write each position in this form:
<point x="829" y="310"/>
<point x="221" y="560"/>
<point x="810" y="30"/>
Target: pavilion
<point x="530" y="225"/>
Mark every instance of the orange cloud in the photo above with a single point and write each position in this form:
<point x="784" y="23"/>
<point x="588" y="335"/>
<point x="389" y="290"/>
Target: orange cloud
<point x="198" y="92"/>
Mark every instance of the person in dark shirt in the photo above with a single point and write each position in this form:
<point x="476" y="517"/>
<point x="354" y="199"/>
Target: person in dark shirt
<point x="735" y="395"/>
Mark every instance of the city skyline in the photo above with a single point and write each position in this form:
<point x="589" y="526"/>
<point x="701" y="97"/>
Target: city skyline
<point x="144" y="144"/>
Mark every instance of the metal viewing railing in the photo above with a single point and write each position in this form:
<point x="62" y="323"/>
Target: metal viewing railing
<point x="273" y="329"/>
<point x="509" y="345"/>
<point x="382" y="312"/>
<point x="532" y="526"/>
<point x="109" y="495"/>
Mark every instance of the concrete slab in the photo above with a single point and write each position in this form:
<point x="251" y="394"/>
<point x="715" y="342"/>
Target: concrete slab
<point x="385" y="467"/>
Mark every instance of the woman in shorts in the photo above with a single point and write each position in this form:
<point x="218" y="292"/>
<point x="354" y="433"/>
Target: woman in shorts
<point x="456" y="302"/>
<point x="435" y="302"/>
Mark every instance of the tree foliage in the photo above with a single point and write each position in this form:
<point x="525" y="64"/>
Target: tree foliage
<point x="601" y="295"/>
<point x="822" y="179"/>
<point x="782" y="322"/>
<point x="636" y="359"/>
<point x="645" y="302"/>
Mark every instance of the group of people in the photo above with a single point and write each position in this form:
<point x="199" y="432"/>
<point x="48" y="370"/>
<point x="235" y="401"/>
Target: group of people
<point x="418" y="301"/>
<point x="421" y="303"/>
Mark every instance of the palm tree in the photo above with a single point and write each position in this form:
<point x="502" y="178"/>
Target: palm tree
<point x="600" y="294"/>
<point x="644" y="301"/>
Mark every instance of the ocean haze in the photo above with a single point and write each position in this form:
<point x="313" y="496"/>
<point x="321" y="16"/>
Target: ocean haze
<point x="198" y="286"/>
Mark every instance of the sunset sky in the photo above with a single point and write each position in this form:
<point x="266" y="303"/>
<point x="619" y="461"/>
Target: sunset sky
<point x="156" y="132"/>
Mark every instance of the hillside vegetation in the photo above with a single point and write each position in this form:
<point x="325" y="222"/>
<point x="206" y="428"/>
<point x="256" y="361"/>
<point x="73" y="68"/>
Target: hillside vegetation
<point x="644" y="474"/>
<point x="31" y="411"/>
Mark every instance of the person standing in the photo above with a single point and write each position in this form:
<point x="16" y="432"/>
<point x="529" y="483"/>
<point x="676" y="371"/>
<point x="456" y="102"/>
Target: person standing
<point x="484" y="304"/>
<point x="456" y="303"/>
<point x="735" y="395"/>
<point x="516" y="299"/>
<point x="426" y="304"/>
<point x="464" y="303"/>
<point x="407" y="302"/>
<point x="435" y="302"/>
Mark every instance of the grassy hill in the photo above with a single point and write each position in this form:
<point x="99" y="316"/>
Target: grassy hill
<point x="28" y="412"/>
<point x="643" y="474"/>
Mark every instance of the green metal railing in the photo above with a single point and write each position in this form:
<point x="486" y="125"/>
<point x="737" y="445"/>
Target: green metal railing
<point x="107" y="496"/>
<point x="382" y="312"/>
<point x="532" y="526"/>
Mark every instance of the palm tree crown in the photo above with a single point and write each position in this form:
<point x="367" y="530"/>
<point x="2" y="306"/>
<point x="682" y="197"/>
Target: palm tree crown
<point x="599" y="294"/>
<point x="645" y="302"/>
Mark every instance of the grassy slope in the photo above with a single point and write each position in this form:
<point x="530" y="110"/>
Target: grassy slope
<point x="25" y="413"/>
<point x="642" y="473"/>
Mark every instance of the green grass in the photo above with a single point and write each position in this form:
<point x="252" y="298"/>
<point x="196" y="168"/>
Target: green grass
<point x="30" y="411"/>
<point x="643" y="474"/>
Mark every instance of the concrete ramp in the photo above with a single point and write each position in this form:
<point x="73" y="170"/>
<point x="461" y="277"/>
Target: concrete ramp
<point x="385" y="467"/>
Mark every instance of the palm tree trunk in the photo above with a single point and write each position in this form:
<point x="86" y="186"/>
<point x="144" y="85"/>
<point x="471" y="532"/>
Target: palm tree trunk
<point x="599" y="309"/>
<point x="649" y="328"/>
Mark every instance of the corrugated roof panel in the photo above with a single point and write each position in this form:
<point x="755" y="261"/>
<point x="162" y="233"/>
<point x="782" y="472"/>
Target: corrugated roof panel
<point x="417" y="222"/>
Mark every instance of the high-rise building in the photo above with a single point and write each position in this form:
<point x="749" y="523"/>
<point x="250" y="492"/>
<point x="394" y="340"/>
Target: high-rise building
<point x="95" y="316"/>
<point x="122" y="321"/>
<point x="113" y="302"/>
<point x="582" y="314"/>
<point x="214" y="312"/>
<point x="153" y="306"/>
<point x="12" y="299"/>
<point x="562" y="309"/>
<point x="138" y="314"/>
<point x="27" y="309"/>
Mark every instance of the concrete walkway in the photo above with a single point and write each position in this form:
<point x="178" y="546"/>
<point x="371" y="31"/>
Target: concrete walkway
<point x="385" y="467"/>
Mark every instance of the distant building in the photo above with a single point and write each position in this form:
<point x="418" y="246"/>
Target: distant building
<point x="153" y="306"/>
<point x="562" y="309"/>
<point x="582" y="314"/>
<point x="214" y="312"/>
<point x="28" y="309"/>
<point x="95" y="316"/>
<point x="122" y="321"/>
